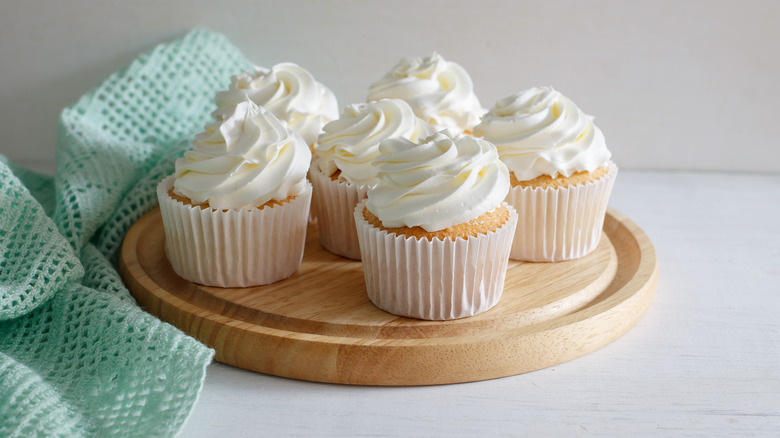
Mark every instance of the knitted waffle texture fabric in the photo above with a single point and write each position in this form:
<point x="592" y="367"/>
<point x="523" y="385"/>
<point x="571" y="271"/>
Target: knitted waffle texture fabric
<point x="78" y="357"/>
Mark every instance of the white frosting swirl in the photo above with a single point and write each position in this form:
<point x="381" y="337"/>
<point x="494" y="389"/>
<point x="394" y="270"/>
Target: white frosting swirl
<point x="541" y="132"/>
<point x="439" y="91"/>
<point x="245" y="160"/>
<point x="289" y="92"/>
<point x="441" y="182"/>
<point x="351" y="142"/>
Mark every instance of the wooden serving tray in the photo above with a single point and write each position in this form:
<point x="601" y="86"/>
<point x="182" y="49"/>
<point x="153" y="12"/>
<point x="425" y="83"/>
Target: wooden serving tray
<point x="319" y="324"/>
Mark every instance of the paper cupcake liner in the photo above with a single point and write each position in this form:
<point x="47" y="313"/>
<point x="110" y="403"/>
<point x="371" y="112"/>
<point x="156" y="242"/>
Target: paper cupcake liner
<point x="335" y="213"/>
<point x="313" y="207"/>
<point x="234" y="248"/>
<point x="434" y="280"/>
<point x="313" y="204"/>
<point x="560" y="224"/>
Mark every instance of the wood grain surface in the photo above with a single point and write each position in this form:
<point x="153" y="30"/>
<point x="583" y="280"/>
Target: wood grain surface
<point x="319" y="324"/>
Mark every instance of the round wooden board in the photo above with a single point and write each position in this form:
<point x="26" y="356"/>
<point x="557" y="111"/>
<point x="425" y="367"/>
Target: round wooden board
<point x="319" y="324"/>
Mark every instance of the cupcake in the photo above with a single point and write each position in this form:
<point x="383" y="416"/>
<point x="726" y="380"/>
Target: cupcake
<point x="342" y="172"/>
<point x="289" y="92"/>
<point x="434" y="233"/>
<point x="561" y="173"/>
<point x="439" y="91"/>
<point x="235" y="210"/>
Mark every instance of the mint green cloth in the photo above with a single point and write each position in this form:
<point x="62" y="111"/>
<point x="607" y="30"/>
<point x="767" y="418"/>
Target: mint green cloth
<point x="78" y="357"/>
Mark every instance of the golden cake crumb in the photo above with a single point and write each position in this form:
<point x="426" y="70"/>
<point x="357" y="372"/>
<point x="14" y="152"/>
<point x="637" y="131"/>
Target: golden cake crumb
<point x="489" y="221"/>
<point x="545" y="181"/>
<point x="187" y="201"/>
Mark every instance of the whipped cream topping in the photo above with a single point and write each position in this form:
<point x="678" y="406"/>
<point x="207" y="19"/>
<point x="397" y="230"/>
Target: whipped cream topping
<point x="351" y="142"/>
<point x="245" y="160"/>
<point x="440" y="182"/>
<point x="287" y="90"/>
<point x="541" y="132"/>
<point x="439" y="91"/>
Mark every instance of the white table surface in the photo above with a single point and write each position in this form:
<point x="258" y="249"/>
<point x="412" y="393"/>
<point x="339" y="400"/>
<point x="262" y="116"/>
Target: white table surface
<point x="703" y="361"/>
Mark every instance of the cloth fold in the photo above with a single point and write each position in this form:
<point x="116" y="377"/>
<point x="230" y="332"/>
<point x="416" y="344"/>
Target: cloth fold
<point x="78" y="357"/>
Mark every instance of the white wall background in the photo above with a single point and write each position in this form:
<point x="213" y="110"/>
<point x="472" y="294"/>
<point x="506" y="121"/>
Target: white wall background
<point x="673" y="84"/>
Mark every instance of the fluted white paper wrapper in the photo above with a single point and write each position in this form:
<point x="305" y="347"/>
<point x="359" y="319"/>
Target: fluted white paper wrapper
<point x="313" y="204"/>
<point x="336" y="201"/>
<point x="234" y="248"/>
<point x="434" y="280"/>
<point x="560" y="224"/>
